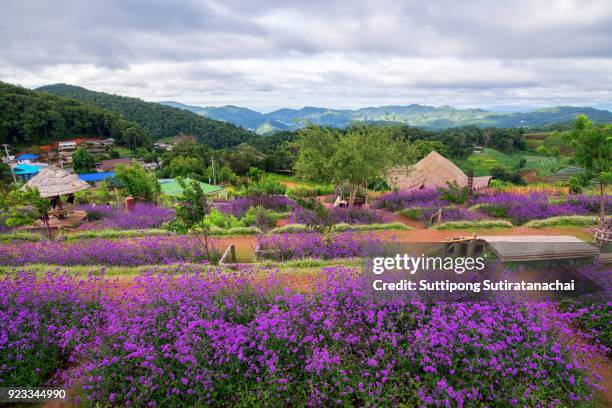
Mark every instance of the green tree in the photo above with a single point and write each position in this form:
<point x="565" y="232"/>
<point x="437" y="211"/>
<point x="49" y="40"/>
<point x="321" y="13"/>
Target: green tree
<point x="355" y="156"/>
<point x="6" y="175"/>
<point x="186" y="167"/>
<point x="592" y="147"/>
<point x="24" y="207"/>
<point x="193" y="208"/>
<point x="138" y="182"/>
<point x="83" y="161"/>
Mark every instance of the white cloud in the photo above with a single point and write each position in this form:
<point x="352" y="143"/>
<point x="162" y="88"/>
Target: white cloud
<point x="272" y="54"/>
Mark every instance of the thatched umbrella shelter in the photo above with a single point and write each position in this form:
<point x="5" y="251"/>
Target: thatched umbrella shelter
<point x="433" y="171"/>
<point x="54" y="182"/>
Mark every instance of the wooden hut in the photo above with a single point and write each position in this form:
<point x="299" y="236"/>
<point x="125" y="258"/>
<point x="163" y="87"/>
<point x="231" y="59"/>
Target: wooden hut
<point x="433" y="171"/>
<point x="53" y="183"/>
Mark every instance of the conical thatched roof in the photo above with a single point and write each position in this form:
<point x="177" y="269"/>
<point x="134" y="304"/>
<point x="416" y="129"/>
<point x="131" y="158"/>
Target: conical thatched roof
<point x="433" y="171"/>
<point x="53" y="181"/>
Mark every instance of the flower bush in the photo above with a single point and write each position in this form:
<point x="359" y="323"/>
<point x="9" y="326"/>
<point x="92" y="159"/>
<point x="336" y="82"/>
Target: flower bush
<point x="43" y="323"/>
<point x="338" y="215"/>
<point x="521" y="208"/>
<point x="142" y="216"/>
<point x="287" y="246"/>
<point x="196" y="340"/>
<point x="398" y="200"/>
<point x="98" y="251"/>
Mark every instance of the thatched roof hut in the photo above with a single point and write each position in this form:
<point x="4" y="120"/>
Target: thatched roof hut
<point x="433" y="171"/>
<point x="53" y="181"/>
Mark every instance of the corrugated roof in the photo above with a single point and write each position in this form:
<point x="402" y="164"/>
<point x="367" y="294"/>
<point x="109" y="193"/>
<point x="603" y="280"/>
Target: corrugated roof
<point x="22" y="169"/>
<point x="27" y="156"/>
<point x="93" y="177"/>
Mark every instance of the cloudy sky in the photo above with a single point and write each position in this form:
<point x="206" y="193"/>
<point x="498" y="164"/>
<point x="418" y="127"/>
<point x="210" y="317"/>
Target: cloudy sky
<point x="268" y="54"/>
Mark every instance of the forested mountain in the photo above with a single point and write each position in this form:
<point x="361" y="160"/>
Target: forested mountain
<point x="428" y="117"/>
<point x="156" y="119"/>
<point x="28" y="117"/>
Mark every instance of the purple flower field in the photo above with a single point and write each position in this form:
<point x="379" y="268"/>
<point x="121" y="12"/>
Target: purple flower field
<point x="519" y="208"/>
<point x="124" y="252"/>
<point x="143" y="216"/>
<point x="337" y="215"/>
<point x="239" y="206"/>
<point x="196" y="339"/>
<point x="282" y="247"/>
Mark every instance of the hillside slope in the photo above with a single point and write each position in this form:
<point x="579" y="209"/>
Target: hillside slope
<point x="414" y="115"/>
<point x="28" y="117"/>
<point x="156" y="119"/>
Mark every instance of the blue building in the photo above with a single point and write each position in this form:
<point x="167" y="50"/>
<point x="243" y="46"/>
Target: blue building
<point x="26" y="158"/>
<point x="26" y="171"/>
<point x="94" y="178"/>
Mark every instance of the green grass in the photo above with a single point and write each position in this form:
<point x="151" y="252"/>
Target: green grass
<point x="564" y="221"/>
<point x="216" y="231"/>
<point x="296" y="180"/>
<point x="482" y="163"/>
<point x="370" y="227"/>
<point x="307" y="265"/>
<point x="297" y="228"/>
<point x="124" y="152"/>
<point x="484" y="224"/>
<point x="547" y="139"/>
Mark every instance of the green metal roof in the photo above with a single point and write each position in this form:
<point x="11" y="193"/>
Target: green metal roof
<point x="172" y="188"/>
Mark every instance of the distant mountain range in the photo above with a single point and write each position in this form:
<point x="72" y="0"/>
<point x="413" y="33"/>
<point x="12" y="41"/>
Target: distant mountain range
<point x="428" y="117"/>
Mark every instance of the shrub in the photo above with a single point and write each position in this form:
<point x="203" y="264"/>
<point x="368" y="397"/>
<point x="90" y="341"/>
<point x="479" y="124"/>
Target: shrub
<point x="301" y="192"/>
<point x="414" y="213"/>
<point x="282" y="247"/>
<point x="216" y="218"/>
<point x="261" y="217"/>
<point x="239" y="206"/>
<point x="336" y="215"/>
<point x="99" y="251"/>
<point x="521" y="208"/>
<point x="43" y="324"/>
<point x="399" y="200"/>
<point x="453" y="193"/>
<point x="142" y="216"/>
<point x="138" y="183"/>
<point x="267" y="186"/>
<point x="198" y="339"/>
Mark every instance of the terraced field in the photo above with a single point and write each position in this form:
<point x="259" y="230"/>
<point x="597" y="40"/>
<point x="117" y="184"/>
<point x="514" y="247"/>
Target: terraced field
<point x="547" y="139"/>
<point x="482" y="163"/>
<point x="564" y="174"/>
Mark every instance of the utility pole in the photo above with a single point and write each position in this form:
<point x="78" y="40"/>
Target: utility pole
<point x="8" y="162"/>
<point x="212" y="163"/>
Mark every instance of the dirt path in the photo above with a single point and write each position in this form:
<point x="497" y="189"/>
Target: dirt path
<point x="245" y="244"/>
<point x="433" y="235"/>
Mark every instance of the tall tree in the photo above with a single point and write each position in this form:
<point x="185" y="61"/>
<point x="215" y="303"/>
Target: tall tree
<point x="355" y="156"/>
<point x="193" y="208"/>
<point x="138" y="182"/>
<point x="83" y="161"/>
<point x="593" y="151"/>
